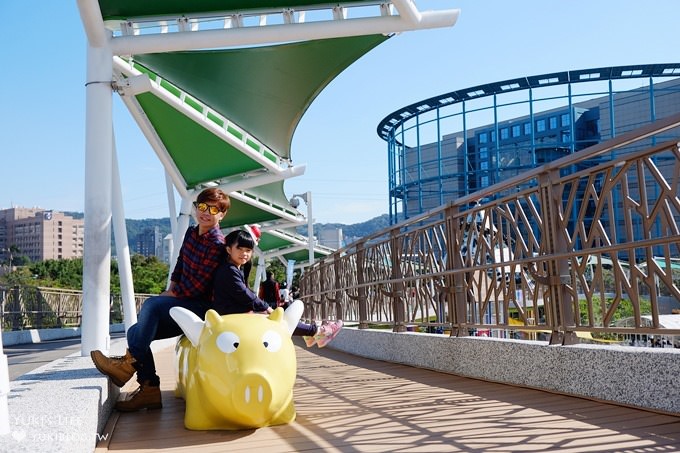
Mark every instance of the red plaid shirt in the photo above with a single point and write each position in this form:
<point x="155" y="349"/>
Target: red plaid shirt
<point x="198" y="258"/>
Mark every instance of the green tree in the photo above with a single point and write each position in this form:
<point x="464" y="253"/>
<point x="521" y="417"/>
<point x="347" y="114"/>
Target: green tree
<point x="278" y="269"/>
<point x="20" y="277"/>
<point x="58" y="273"/>
<point x="150" y="275"/>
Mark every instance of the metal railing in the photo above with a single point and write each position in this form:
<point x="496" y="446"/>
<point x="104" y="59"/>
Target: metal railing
<point x="584" y="246"/>
<point x="32" y="307"/>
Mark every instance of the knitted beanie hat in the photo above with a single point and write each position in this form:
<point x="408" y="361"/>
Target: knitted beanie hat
<point x="254" y="231"/>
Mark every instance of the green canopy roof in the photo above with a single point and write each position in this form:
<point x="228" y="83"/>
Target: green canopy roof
<point x="265" y="90"/>
<point x="227" y="116"/>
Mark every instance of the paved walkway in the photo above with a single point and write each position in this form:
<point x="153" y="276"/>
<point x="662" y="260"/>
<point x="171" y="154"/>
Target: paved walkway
<point x="350" y="404"/>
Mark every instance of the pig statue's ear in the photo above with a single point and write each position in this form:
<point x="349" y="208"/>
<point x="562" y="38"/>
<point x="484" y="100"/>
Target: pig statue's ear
<point x="190" y="324"/>
<point x="293" y="314"/>
<point x="212" y="319"/>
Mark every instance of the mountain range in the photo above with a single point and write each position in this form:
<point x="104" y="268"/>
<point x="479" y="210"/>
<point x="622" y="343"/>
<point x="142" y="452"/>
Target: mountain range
<point x="136" y="228"/>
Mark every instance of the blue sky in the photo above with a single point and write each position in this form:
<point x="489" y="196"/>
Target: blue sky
<point x="42" y="125"/>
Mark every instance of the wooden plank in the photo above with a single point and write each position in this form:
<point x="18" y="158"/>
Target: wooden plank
<point x="348" y="403"/>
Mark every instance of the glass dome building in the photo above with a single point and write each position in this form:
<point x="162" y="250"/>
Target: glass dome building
<point x="457" y="143"/>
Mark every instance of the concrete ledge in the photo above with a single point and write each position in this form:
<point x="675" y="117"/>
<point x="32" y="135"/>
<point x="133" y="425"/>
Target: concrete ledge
<point x="15" y="337"/>
<point x="645" y="378"/>
<point x="62" y="406"/>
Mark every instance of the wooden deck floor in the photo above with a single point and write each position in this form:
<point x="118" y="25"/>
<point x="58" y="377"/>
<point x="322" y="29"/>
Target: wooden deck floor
<point x="351" y="404"/>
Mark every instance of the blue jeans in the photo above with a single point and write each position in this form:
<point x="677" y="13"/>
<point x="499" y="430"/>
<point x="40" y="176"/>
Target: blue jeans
<point x="155" y="323"/>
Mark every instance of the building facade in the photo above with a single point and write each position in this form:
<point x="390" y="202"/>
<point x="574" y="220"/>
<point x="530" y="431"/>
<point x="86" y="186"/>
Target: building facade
<point x="455" y="144"/>
<point x="40" y="234"/>
<point x="150" y="243"/>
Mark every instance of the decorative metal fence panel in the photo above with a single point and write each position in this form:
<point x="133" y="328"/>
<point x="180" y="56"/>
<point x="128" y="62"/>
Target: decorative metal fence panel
<point x="585" y="248"/>
<point x="29" y="307"/>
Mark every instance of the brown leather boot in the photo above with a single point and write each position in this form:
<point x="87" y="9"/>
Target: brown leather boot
<point x="145" y="397"/>
<point x="119" y="369"/>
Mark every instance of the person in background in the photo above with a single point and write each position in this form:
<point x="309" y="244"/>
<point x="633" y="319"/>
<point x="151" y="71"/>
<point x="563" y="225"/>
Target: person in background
<point x="191" y="287"/>
<point x="284" y="295"/>
<point x="269" y="291"/>
<point x="232" y="294"/>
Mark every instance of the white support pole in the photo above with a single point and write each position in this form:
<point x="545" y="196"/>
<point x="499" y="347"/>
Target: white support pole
<point x="97" y="224"/>
<point x="260" y="271"/>
<point x="91" y="15"/>
<point x="310" y="227"/>
<point x="172" y="207"/>
<point x="182" y="227"/>
<point x="127" y="291"/>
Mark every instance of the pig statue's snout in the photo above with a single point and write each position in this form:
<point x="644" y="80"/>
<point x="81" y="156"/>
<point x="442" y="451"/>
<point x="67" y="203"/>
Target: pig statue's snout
<point x="252" y="397"/>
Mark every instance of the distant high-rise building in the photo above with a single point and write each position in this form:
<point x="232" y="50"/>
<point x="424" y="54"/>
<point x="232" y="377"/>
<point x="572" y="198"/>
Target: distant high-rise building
<point x="40" y="234"/>
<point x="150" y="243"/>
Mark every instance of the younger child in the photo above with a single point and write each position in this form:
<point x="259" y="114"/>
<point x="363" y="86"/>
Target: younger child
<point x="231" y="293"/>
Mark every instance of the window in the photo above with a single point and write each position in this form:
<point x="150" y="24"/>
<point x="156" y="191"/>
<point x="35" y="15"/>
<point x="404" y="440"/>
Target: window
<point x="553" y="122"/>
<point x="527" y="128"/>
<point x="565" y="119"/>
<point x="493" y="136"/>
<point x="540" y="126"/>
<point x="505" y="133"/>
<point x="516" y="130"/>
<point x="483" y="137"/>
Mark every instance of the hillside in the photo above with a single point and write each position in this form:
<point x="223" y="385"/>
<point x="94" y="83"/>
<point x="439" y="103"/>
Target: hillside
<point x="138" y="228"/>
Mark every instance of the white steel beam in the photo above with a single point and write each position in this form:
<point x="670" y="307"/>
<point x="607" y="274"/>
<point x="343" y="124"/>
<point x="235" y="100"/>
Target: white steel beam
<point x="244" y="36"/>
<point x="407" y="10"/>
<point x="246" y="183"/>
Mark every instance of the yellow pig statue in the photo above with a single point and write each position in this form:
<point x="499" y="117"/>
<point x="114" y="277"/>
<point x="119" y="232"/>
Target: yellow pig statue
<point x="236" y="371"/>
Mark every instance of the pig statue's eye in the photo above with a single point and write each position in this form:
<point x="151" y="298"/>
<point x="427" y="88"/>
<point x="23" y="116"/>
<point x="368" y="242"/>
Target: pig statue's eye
<point x="227" y="342"/>
<point x="271" y="341"/>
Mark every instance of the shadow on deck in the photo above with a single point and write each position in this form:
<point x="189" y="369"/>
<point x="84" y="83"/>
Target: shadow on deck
<point x="352" y="404"/>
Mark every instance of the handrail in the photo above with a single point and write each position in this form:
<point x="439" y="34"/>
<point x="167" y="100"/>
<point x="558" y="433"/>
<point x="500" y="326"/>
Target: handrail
<point x="31" y="307"/>
<point x="546" y="259"/>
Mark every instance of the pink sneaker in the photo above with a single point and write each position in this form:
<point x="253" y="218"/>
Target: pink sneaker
<point x="327" y="332"/>
<point x="310" y="341"/>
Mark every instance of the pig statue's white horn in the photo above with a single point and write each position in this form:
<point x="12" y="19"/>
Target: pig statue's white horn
<point x="293" y="314"/>
<point x="190" y="324"/>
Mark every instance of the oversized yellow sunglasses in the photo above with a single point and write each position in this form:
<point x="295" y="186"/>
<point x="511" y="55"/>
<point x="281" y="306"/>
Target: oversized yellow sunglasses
<point x="206" y="207"/>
